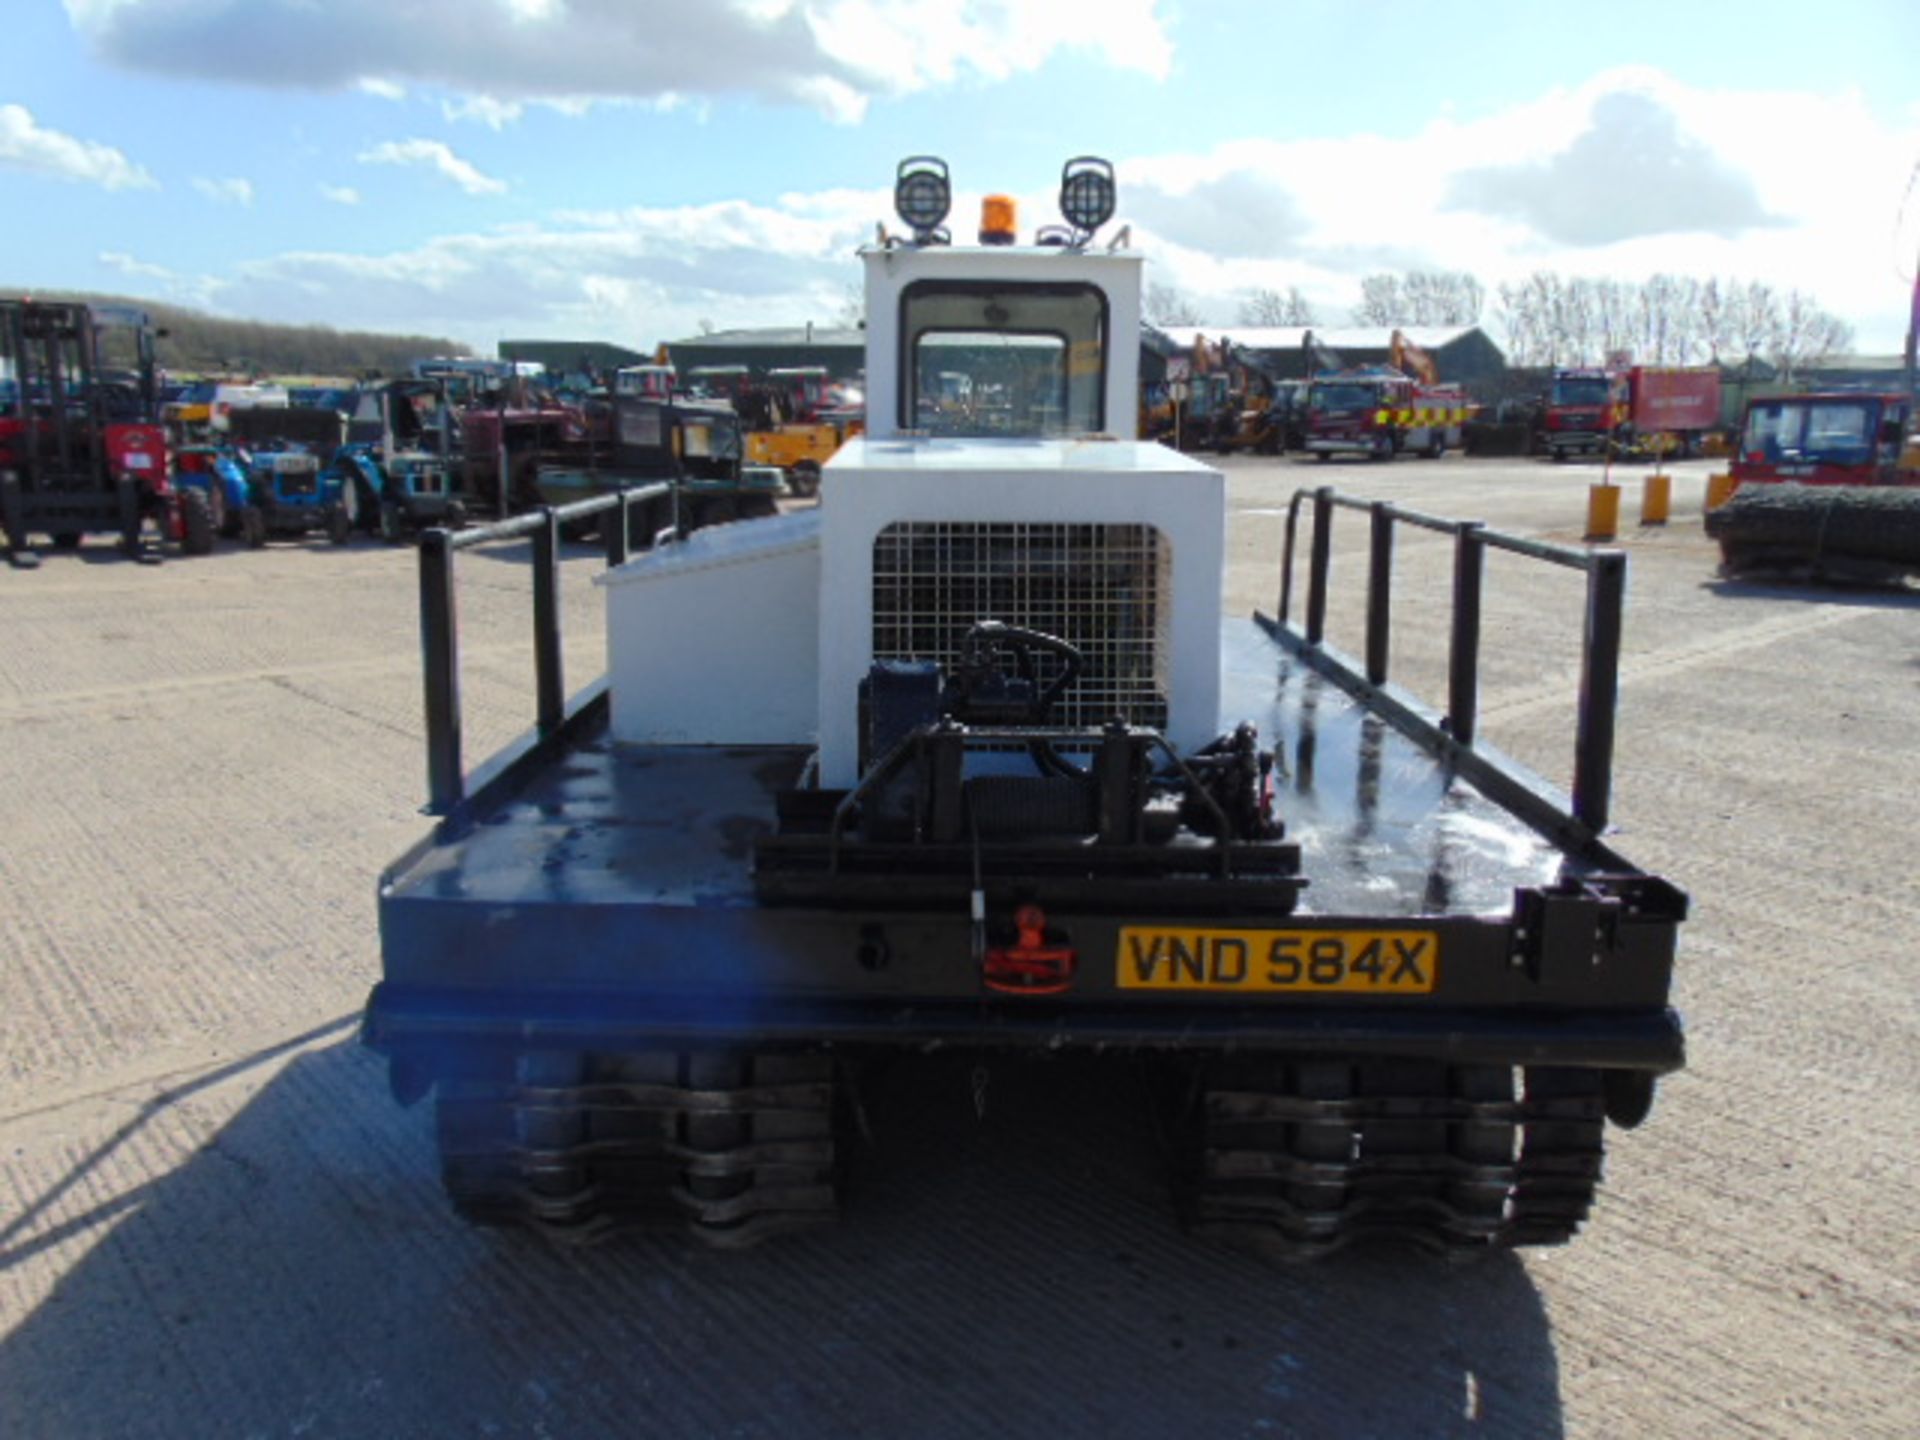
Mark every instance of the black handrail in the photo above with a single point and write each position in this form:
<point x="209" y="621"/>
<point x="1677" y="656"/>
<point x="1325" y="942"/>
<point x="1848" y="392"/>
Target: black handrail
<point x="1605" y="569"/>
<point x="439" y="628"/>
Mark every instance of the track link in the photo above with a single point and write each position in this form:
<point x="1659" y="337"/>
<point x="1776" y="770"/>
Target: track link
<point x="1299" y="1157"/>
<point x="732" y="1146"/>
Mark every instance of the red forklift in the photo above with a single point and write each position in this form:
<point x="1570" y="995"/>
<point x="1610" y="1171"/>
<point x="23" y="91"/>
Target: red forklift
<point x="82" y="449"/>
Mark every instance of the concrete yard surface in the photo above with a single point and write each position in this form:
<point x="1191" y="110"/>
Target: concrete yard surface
<point x="214" y="1221"/>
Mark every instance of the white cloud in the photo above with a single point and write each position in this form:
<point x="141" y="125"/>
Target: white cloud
<point x="380" y="88"/>
<point x="1247" y="213"/>
<point x="635" y="275"/>
<point x="230" y="191"/>
<point x="27" y="146"/>
<point x="139" y="269"/>
<point x="436" y="155"/>
<point x="340" y="194"/>
<point x="833" y="55"/>
<point x="494" y="114"/>
<point x="1798" y="190"/>
<point x="190" y="289"/>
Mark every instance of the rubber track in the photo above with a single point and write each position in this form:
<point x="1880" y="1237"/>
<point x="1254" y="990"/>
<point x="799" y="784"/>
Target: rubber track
<point x="1302" y="1157"/>
<point x="732" y="1146"/>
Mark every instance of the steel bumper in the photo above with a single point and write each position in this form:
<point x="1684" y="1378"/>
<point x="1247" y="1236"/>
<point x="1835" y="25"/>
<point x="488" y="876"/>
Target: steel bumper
<point x="416" y="1024"/>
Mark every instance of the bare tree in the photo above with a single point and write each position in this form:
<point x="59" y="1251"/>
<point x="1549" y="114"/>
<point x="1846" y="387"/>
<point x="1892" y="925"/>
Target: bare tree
<point x="1715" y="315"/>
<point x="852" y="312"/>
<point x="1516" y="322"/>
<point x="1168" y="305"/>
<point x="1759" y="320"/>
<point x="1806" y="335"/>
<point x="1380" y="301"/>
<point x="1612" y="308"/>
<point x="1263" y="307"/>
<point x="1270" y="307"/>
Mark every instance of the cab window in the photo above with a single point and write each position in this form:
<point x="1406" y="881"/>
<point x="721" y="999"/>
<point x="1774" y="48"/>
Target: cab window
<point x="1021" y="360"/>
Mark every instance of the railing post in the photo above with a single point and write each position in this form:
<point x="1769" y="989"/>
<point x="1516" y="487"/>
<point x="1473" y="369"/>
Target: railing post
<point x="1322" y="561"/>
<point x="1599" y="689"/>
<point x="613" y="530"/>
<point x="1379" y="593"/>
<point x="439" y="644"/>
<point x="1286" y="556"/>
<point x="1463" y="655"/>
<point x="549" y="682"/>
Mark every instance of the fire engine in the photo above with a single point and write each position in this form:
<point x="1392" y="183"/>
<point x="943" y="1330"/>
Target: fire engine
<point x="1378" y="412"/>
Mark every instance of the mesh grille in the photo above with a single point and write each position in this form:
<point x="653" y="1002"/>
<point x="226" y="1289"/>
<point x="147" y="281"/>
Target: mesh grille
<point x="1101" y="588"/>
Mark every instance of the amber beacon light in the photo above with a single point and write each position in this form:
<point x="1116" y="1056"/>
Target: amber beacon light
<point x="998" y="220"/>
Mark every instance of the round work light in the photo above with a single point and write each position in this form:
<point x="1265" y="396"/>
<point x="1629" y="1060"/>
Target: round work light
<point x="922" y="194"/>
<point x="1086" y="193"/>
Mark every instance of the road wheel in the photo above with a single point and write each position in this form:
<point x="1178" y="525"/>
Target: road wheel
<point x="339" y="527"/>
<point x="253" y="527"/>
<point x="196" y="523"/>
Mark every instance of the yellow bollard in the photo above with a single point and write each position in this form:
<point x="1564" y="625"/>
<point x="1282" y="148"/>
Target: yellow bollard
<point x="1656" y="498"/>
<point x="1720" y="489"/>
<point x="1603" y="511"/>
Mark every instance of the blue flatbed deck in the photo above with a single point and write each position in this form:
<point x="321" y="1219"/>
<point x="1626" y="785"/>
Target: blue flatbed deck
<point x="1384" y="829"/>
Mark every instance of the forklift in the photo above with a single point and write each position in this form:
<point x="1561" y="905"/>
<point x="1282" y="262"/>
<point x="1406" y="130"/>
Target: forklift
<point x="82" y="450"/>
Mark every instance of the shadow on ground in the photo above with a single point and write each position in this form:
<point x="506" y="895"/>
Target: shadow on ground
<point x="1019" y="1274"/>
<point x="1884" y="595"/>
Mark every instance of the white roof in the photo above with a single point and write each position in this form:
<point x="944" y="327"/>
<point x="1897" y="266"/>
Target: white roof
<point x="1290" y="337"/>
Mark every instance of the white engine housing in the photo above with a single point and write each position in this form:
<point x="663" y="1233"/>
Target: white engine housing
<point x="997" y="502"/>
<point x="761" y="633"/>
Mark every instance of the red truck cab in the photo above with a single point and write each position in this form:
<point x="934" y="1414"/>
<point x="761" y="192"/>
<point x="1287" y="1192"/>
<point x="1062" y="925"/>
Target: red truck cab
<point x="1590" y="410"/>
<point x="1829" y="438"/>
<point x="1584" y="409"/>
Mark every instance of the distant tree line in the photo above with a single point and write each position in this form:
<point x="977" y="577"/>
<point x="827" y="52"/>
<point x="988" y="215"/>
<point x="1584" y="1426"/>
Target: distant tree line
<point x="197" y="343"/>
<point x="1554" y="319"/>
<point x="1550" y="319"/>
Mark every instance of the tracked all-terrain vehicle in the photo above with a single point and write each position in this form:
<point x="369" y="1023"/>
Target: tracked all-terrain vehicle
<point x="1827" y="486"/>
<point x="966" y="759"/>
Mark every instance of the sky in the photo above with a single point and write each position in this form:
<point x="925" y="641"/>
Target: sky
<point x="638" y="170"/>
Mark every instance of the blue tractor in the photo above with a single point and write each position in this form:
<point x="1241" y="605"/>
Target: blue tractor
<point x="401" y="463"/>
<point x="217" y="473"/>
<point x="295" y="480"/>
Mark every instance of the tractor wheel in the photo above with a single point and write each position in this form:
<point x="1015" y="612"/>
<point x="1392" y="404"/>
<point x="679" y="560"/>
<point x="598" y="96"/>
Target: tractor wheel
<point x="393" y="525"/>
<point x="253" y="527"/>
<point x="196" y="523"/>
<point x="349" y="505"/>
<point x="804" y="479"/>
<point x="339" y="527"/>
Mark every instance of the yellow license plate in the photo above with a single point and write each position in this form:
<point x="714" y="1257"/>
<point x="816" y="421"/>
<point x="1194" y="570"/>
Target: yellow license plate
<point x="1370" y="962"/>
